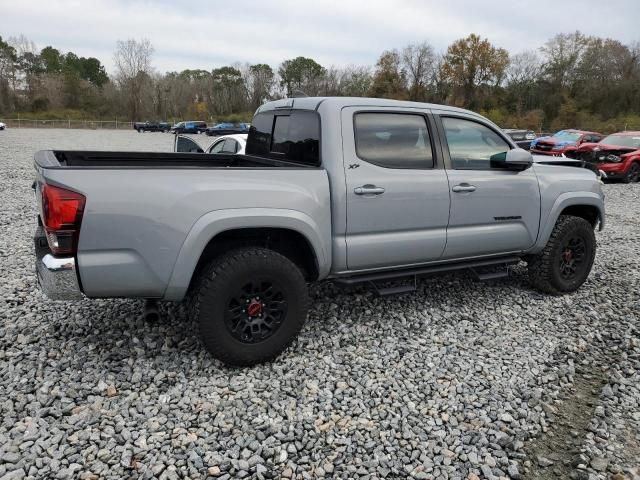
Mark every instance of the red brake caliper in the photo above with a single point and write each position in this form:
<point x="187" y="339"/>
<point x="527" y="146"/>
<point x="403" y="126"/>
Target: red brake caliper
<point x="254" y="308"/>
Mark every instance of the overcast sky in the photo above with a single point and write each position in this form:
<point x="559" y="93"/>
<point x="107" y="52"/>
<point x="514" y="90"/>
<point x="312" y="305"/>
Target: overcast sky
<point x="208" y="34"/>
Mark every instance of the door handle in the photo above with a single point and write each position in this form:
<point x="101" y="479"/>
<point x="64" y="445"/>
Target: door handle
<point x="464" y="187"/>
<point x="368" y="190"/>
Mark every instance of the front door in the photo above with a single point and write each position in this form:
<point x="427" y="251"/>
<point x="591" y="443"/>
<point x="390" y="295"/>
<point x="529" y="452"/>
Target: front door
<point x="493" y="210"/>
<point x="397" y="192"/>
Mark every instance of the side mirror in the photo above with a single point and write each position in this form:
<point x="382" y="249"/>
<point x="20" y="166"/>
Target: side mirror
<point x="516" y="159"/>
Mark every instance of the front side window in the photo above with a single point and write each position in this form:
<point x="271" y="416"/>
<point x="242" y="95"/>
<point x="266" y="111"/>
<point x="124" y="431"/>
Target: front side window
<point x="393" y="140"/>
<point x="472" y="146"/>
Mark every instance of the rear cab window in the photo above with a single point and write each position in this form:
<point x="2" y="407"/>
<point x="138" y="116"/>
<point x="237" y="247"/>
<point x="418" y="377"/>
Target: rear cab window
<point x="393" y="140"/>
<point x="289" y="135"/>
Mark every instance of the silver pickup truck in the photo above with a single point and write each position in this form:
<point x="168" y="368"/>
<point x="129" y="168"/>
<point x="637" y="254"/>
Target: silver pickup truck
<point x="348" y="189"/>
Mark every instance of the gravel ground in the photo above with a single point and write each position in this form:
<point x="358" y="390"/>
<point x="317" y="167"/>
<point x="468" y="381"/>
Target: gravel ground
<point x="458" y="380"/>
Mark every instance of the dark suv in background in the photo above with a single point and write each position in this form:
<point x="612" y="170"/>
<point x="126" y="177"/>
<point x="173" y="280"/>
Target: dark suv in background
<point x="189" y="127"/>
<point x="521" y="137"/>
<point x="151" y="127"/>
<point x="227" y="129"/>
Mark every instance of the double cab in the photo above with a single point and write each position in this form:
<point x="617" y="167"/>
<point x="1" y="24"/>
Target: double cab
<point x="141" y="127"/>
<point x="192" y="126"/>
<point x="346" y="189"/>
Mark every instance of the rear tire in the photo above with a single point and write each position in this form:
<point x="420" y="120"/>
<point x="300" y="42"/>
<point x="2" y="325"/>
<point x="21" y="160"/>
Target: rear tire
<point x="250" y="304"/>
<point x="566" y="261"/>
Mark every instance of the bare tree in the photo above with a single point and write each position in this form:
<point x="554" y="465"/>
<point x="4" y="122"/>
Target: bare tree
<point x="133" y="71"/>
<point x="419" y="62"/>
<point x="524" y="68"/>
<point x="522" y="75"/>
<point x="23" y="45"/>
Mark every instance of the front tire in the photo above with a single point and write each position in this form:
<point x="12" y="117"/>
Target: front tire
<point x="250" y="304"/>
<point x="566" y="261"/>
<point x="633" y="175"/>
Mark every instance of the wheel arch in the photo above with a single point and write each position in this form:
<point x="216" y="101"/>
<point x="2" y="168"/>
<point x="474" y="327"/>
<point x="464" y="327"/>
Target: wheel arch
<point x="587" y="205"/>
<point x="289" y="232"/>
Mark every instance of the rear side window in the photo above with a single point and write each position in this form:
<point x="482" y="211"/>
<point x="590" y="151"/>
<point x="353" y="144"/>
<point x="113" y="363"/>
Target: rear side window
<point x="292" y="136"/>
<point x="393" y="140"/>
<point x="230" y="146"/>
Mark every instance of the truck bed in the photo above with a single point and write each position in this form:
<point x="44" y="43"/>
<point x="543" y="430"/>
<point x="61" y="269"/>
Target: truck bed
<point x="78" y="159"/>
<point x="143" y="210"/>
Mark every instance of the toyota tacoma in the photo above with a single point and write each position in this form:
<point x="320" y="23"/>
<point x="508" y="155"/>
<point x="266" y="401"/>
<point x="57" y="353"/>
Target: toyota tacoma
<point x="352" y="190"/>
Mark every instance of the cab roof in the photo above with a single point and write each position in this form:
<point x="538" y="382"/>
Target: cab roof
<point x="314" y="103"/>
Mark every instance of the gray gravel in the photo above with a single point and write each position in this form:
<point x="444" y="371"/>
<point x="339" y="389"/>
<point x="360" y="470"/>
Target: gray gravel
<point x="459" y="380"/>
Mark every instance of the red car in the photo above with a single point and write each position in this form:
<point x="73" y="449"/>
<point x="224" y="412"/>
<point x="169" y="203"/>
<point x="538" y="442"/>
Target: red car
<point x="563" y="141"/>
<point x="617" y="155"/>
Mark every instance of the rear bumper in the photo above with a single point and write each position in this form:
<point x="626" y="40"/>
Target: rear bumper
<point x="57" y="276"/>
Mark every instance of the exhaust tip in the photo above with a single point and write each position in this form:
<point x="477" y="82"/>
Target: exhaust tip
<point x="151" y="313"/>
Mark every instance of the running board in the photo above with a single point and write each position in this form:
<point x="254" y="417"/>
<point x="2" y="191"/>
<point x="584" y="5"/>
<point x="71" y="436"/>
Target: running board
<point x="414" y="273"/>
<point x="397" y="290"/>
<point x="483" y="277"/>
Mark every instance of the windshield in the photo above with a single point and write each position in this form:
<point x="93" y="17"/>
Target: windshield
<point x="622" y="141"/>
<point x="568" y="136"/>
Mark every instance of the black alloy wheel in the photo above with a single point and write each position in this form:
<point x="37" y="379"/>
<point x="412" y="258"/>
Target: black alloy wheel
<point x="256" y="311"/>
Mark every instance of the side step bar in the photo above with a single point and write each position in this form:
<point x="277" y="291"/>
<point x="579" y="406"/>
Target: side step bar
<point x="413" y="274"/>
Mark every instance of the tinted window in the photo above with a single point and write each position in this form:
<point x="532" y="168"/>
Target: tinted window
<point x="280" y="134"/>
<point x="472" y="145"/>
<point x="292" y="136"/>
<point x="393" y="140"/>
<point x="230" y="146"/>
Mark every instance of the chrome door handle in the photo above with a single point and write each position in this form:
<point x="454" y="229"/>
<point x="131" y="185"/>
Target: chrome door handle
<point x="368" y="190"/>
<point x="464" y="187"/>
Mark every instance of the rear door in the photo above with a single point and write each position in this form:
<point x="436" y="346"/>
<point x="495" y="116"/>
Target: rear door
<point x="185" y="144"/>
<point x="493" y="210"/>
<point x="397" y="190"/>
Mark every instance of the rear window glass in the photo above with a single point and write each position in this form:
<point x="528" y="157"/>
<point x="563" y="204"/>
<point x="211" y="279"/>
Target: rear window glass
<point x="289" y="135"/>
<point x="393" y="140"/>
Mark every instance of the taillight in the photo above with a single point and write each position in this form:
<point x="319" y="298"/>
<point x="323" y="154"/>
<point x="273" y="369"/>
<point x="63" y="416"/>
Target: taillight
<point x="62" y="211"/>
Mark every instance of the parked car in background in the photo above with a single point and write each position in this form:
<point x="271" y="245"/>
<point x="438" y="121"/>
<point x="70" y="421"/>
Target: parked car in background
<point x="563" y="141"/>
<point x="227" y="129"/>
<point x="240" y="236"/>
<point x="2" y="126"/>
<point x="234" y="144"/>
<point x="617" y="155"/>
<point x="151" y="127"/>
<point x="522" y="137"/>
<point x="189" y="127"/>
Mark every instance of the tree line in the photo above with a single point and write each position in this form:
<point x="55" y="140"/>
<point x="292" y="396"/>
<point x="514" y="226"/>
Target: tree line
<point x="573" y="80"/>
